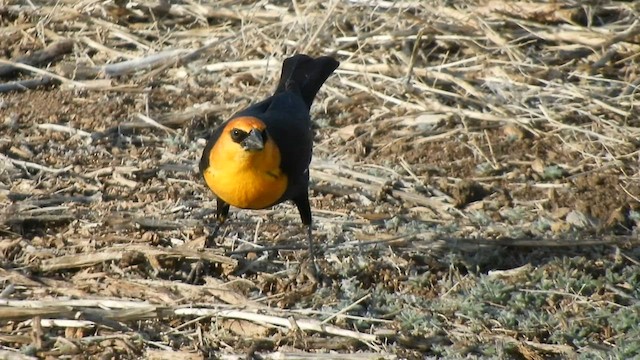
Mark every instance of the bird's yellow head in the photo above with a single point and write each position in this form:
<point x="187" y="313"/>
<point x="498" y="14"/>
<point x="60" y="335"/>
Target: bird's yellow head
<point x="244" y="142"/>
<point x="244" y="165"/>
<point x="248" y="132"/>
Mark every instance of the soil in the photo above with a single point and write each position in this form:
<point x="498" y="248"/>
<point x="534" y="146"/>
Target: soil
<point x="100" y="199"/>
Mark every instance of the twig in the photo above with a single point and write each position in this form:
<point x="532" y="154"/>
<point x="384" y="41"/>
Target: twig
<point x="234" y="65"/>
<point x="332" y="7"/>
<point x="347" y="308"/>
<point x="37" y="58"/>
<point x="31" y="165"/>
<point x="44" y="73"/>
<point x="197" y="111"/>
<point x="129" y="66"/>
<point x="90" y="259"/>
<point x="22" y="85"/>
<point x="440" y="206"/>
<point x="63" y="323"/>
<point x="66" y="303"/>
<point x="154" y="123"/>
<point x="304" y="324"/>
<point x="165" y="121"/>
<point x="122" y="68"/>
<point x="144" y="310"/>
<point x="64" y="128"/>
<point x="15" y="355"/>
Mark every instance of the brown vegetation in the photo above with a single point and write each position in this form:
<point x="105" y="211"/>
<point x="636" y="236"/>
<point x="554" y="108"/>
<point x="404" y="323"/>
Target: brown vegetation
<point x="475" y="183"/>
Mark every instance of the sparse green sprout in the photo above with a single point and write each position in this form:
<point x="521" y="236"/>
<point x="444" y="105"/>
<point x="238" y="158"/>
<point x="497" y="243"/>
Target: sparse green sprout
<point x="485" y="169"/>
<point x="415" y="322"/>
<point x="553" y="172"/>
<point x="480" y="217"/>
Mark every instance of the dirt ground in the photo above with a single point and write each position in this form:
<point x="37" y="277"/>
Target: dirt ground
<point x="485" y="205"/>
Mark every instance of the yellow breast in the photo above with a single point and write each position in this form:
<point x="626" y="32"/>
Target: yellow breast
<point x="245" y="179"/>
<point x="246" y="188"/>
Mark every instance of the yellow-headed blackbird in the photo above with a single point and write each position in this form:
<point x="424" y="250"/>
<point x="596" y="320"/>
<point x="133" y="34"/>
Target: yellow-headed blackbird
<point x="260" y="157"/>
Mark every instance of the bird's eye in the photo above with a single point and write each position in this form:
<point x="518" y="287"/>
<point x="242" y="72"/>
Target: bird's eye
<point x="238" y="135"/>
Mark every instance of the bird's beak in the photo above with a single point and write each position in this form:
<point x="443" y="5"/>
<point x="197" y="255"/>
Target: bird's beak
<point x="253" y="141"/>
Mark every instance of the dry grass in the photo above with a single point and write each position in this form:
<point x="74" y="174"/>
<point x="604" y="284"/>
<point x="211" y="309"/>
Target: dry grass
<point x="475" y="181"/>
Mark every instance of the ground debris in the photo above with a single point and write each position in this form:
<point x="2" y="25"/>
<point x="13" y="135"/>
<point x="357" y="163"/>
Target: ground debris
<point x="475" y="182"/>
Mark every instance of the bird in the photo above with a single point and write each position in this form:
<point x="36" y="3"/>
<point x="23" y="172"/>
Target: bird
<point x="260" y="157"/>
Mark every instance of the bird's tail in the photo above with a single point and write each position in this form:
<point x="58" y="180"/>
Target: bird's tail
<point x="305" y="74"/>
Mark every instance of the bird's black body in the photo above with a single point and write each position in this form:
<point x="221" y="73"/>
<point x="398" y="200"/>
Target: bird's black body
<point x="288" y="124"/>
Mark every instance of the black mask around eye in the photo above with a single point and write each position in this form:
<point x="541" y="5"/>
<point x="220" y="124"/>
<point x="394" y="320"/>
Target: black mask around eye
<point x="254" y="140"/>
<point x="238" y="135"/>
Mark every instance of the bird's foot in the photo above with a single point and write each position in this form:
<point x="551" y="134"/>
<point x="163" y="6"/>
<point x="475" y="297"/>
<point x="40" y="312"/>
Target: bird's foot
<point x="196" y="273"/>
<point x="210" y="240"/>
<point x="309" y="271"/>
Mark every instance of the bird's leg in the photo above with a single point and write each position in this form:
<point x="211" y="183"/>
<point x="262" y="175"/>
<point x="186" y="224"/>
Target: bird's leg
<point x="309" y="267"/>
<point x="198" y="268"/>
<point x="222" y="211"/>
<point x="312" y="252"/>
<point x="304" y="208"/>
<point x="209" y="241"/>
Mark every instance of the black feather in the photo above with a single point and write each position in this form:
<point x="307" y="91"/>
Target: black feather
<point x="306" y="75"/>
